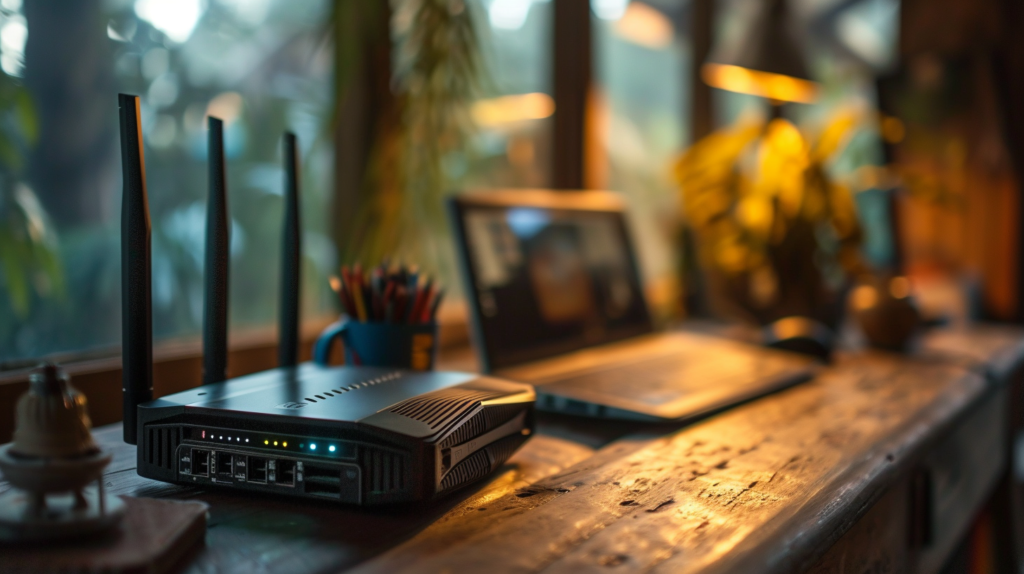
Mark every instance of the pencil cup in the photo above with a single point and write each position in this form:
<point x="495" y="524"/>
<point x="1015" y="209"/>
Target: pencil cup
<point x="379" y="344"/>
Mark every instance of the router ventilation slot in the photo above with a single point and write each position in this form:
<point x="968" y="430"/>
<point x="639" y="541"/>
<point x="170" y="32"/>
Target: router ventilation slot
<point x="502" y="450"/>
<point x="485" y="420"/>
<point x="161" y="444"/>
<point x="475" y="426"/>
<point x="474" y="467"/>
<point x="480" y="463"/>
<point x="440" y="408"/>
<point x="362" y="384"/>
<point x="385" y="471"/>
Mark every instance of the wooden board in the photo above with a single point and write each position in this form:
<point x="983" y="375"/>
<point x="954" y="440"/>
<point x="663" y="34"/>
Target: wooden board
<point x="154" y="537"/>
<point x="766" y="487"/>
<point x="247" y="533"/>
<point x="770" y="486"/>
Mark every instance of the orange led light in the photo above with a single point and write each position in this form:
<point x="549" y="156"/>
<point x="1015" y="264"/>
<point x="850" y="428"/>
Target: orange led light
<point x="764" y="84"/>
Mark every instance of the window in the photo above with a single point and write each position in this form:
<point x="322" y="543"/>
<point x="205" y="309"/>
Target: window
<point x="642" y="60"/>
<point x="263" y="66"/>
<point x="513" y="115"/>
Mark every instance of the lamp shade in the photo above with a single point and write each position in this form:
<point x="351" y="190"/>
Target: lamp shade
<point x="768" y="60"/>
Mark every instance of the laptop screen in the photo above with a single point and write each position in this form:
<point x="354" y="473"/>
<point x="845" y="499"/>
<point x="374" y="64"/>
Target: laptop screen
<point x="548" y="274"/>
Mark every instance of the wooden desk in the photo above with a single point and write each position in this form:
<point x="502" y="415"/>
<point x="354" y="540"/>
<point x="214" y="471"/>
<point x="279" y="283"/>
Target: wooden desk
<point x="878" y="465"/>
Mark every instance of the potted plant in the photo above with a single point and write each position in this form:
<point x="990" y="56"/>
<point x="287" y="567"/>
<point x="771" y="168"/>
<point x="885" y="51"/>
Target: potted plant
<point x="776" y="235"/>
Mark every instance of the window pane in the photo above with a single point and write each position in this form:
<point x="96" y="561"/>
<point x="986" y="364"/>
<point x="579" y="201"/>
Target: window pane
<point x="512" y="146"/>
<point x="262" y="66"/>
<point x="642" y="60"/>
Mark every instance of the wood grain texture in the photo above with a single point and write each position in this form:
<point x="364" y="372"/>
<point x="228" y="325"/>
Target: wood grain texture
<point x="258" y="534"/>
<point x="768" y="486"/>
<point x="996" y="350"/>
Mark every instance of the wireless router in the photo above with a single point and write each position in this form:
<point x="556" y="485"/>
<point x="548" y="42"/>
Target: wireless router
<point x="360" y="435"/>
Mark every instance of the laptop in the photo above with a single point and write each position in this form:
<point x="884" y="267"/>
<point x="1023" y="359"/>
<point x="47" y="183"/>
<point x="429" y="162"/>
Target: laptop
<point x="556" y="300"/>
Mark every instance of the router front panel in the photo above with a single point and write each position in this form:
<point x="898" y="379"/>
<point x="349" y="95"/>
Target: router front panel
<point x="457" y="431"/>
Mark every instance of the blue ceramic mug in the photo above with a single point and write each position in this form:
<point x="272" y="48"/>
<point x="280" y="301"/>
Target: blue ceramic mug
<point x="379" y="344"/>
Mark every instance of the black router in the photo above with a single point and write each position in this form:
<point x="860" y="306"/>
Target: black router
<point x="360" y="435"/>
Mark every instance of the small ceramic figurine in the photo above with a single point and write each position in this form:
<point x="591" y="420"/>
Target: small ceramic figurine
<point x="885" y="311"/>
<point x="50" y="463"/>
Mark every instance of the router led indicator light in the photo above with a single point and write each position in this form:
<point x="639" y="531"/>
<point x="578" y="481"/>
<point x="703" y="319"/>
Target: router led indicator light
<point x="284" y="444"/>
<point x="331" y="448"/>
<point x="312" y="446"/>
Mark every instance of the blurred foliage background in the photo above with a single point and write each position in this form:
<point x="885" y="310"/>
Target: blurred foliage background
<point x="264" y="66"/>
<point x="779" y="234"/>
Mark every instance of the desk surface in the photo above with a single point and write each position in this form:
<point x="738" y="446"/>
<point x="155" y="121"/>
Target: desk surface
<point x="767" y="486"/>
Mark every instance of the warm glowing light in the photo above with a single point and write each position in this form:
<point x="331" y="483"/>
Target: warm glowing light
<point x="516" y="108"/>
<point x="899" y="287"/>
<point x="266" y="442"/>
<point x="764" y="84"/>
<point x="275" y="443"/>
<point x="227" y="106"/>
<point x="864" y="297"/>
<point x="284" y="444"/>
<point x="791" y="327"/>
<point x="893" y="130"/>
<point x="645" y="26"/>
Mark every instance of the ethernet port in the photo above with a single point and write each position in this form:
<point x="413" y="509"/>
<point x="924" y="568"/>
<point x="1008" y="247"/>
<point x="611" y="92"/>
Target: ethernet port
<point x="225" y="465"/>
<point x="200" y="462"/>
<point x="285" y="473"/>
<point x="257" y="470"/>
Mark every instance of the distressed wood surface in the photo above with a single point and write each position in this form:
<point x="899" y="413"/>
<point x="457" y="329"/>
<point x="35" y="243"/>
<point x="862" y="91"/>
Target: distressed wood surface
<point x="996" y="350"/>
<point x="267" y="534"/>
<point x="769" y="486"/>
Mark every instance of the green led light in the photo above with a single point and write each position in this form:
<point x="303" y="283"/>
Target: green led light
<point x="312" y="446"/>
<point x="331" y="448"/>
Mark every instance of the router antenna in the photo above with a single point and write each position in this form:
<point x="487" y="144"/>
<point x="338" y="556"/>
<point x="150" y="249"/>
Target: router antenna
<point x="215" y="278"/>
<point x="136" y="278"/>
<point x="291" y="257"/>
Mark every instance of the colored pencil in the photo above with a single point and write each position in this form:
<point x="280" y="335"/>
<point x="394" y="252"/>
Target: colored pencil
<point x="387" y="294"/>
